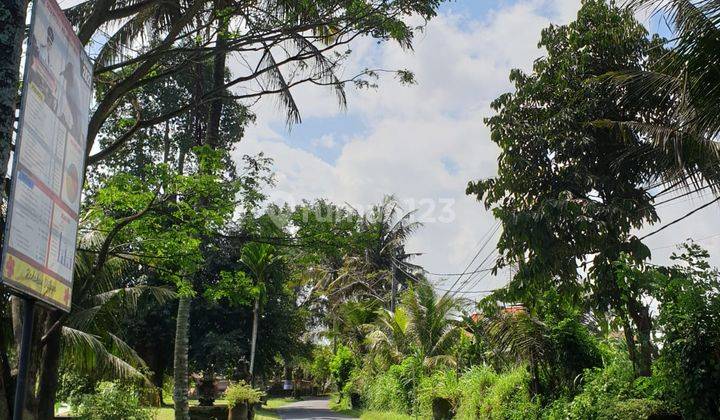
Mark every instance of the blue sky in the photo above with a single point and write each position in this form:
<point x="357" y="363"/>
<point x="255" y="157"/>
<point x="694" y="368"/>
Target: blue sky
<point x="424" y="142"/>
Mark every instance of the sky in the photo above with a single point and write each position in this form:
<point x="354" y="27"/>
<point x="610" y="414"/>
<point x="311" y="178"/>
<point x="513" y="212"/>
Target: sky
<point x="424" y="142"/>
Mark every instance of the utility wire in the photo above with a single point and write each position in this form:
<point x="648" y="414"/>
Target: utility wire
<point x="490" y="234"/>
<point x="481" y="265"/>
<point x="679" y="219"/>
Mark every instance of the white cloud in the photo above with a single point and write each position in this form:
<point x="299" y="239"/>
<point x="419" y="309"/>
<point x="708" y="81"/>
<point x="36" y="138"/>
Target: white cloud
<point x="423" y="143"/>
<point x="326" y="141"/>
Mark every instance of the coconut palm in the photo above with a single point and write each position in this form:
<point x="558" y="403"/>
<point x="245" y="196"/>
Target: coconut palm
<point x="85" y="340"/>
<point x="259" y="259"/>
<point x="387" y="230"/>
<point x="685" y="80"/>
<point x="424" y="325"/>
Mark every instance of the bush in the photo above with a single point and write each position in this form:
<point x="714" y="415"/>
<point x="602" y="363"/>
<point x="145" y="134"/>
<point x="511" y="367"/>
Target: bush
<point x="388" y="392"/>
<point x="611" y="393"/>
<point x="689" y="366"/>
<point x="341" y="366"/>
<point x="113" y="401"/>
<point x="73" y="387"/>
<point x="442" y="384"/>
<point x="474" y="384"/>
<point x="487" y="395"/>
<point x="242" y="393"/>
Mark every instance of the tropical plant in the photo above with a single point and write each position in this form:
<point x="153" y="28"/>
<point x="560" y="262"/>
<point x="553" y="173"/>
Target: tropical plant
<point x="425" y="325"/>
<point x="259" y="258"/>
<point x="689" y="304"/>
<point x="113" y="401"/>
<point x="87" y="340"/>
<point x="680" y="77"/>
<point x="341" y="365"/>
<point x="242" y="393"/>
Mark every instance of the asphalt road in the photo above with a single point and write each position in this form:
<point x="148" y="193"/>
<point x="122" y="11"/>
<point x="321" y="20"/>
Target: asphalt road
<point x="311" y="408"/>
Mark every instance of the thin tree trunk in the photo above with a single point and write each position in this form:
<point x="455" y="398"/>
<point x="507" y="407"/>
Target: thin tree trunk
<point x="30" y="405"/>
<point x="643" y="323"/>
<point x="630" y="342"/>
<point x="253" y="343"/>
<point x="50" y="365"/>
<point x="212" y="135"/>
<point x="180" y="393"/>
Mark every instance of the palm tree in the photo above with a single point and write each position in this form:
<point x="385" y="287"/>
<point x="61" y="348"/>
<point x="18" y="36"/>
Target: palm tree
<point x="518" y="337"/>
<point x="84" y="339"/>
<point x="387" y="230"/>
<point x="259" y="259"/>
<point x="424" y="325"/>
<point x="686" y="80"/>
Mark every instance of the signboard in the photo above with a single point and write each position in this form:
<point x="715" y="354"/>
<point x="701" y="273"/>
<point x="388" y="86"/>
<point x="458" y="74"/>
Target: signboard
<point x="41" y="231"/>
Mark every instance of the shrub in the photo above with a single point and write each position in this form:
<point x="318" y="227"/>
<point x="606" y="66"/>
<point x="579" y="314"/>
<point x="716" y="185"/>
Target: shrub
<point x="341" y="366"/>
<point x="573" y="350"/>
<point x="474" y="384"/>
<point x="489" y="395"/>
<point x="72" y="387"/>
<point x="509" y="397"/>
<point x="113" y="401"/>
<point x="689" y="366"/>
<point x="242" y="393"/>
<point x="442" y="384"/>
<point x="611" y="393"/>
<point x="388" y="392"/>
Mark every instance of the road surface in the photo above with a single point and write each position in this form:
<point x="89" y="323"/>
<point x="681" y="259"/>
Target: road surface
<point x="311" y="408"/>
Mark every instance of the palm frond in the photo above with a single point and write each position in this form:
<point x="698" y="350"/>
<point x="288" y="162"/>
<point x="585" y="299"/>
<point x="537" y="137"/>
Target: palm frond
<point x="88" y="354"/>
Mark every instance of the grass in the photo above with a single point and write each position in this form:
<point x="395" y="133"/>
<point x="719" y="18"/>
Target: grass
<point x="384" y="415"/>
<point x="343" y="407"/>
<point x="265" y="413"/>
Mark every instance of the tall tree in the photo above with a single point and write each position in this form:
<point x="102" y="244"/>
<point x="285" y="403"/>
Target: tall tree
<point x="259" y="259"/>
<point x="567" y="194"/>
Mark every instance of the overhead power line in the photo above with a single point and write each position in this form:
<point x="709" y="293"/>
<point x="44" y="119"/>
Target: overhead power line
<point x="490" y="234"/>
<point x="679" y="219"/>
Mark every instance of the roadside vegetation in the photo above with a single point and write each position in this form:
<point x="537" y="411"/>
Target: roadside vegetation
<point x="192" y="288"/>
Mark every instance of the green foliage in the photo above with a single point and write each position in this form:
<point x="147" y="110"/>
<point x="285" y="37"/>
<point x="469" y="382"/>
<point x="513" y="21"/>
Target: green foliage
<point x="385" y="415"/>
<point x="474" y="384"/>
<point x="387" y="391"/>
<point x="611" y="393"/>
<point x="443" y="384"/>
<point x="235" y="286"/>
<point x="242" y="393"/>
<point x="689" y="303"/>
<point x="341" y="366"/>
<point x="573" y="349"/>
<point x="320" y="367"/>
<point x="73" y="387"/>
<point x="113" y="401"/>
<point x="487" y="395"/>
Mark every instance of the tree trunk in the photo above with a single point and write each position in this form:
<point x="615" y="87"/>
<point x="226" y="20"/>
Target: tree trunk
<point x="48" y="381"/>
<point x="30" y="405"/>
<point x="180" y="393"/>
<point x="630" y="342"/>
<point x="643" y="323"/>
<point x="12" y="32"/>
<point x="253" y="340"/>
<point x="212" y="135"/>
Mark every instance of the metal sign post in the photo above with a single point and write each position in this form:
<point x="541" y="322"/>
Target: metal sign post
<point x="38" y="254"/>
